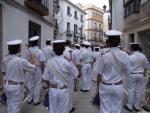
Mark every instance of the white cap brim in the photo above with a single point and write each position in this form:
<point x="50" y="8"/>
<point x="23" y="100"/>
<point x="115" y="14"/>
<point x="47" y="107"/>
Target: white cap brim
<point x="34" y="38"/>
<point x="87" y="43"/>
<point x="14" y="42"/>
<point x="113" y="33"/>
<point x="58" y="41"/>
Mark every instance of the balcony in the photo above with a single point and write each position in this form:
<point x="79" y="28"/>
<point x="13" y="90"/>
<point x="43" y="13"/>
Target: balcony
<point x="82" y="20"/>
<point x="38" y="6"/>
<point x="69" y="33"/>
<point x="76" y="35"/>
<point x="82" y="36"/>
<point x="97" y="18"/>
<point x="69" y="14"/>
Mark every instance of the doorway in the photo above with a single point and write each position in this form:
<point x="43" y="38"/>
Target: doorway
<point x="35" y="30"/>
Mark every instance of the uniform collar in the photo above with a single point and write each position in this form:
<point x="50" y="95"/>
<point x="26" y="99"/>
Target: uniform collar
<point x="135" y="52"/>
<point x="114" y="48"/>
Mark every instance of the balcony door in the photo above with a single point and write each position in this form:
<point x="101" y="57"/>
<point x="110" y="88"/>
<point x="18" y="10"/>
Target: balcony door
<point x="35" y="30"/>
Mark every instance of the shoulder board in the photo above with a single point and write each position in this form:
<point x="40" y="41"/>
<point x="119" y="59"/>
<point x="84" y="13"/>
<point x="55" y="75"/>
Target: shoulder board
<point x="67" y="59"/>
<point x="104" y="53"/>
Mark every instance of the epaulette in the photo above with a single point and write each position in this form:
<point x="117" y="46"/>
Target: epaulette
<point x="69" y="60"/>
<point x="103" y="53"/>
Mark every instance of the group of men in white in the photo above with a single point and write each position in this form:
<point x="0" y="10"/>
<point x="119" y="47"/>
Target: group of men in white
<point x="58" y="68"/>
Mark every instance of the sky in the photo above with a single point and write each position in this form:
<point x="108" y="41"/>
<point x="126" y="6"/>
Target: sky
<point x="98" y="3"/>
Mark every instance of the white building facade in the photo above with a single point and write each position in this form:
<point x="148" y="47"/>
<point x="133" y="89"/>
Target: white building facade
<point x="93" y="23"/>
<point x="22" y="19"/>
<point x="70" y="20"/>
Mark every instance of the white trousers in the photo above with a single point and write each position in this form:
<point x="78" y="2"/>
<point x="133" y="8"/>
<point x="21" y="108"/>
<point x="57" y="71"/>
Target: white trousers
<point x="59" y="100"/>
<point x="111" y="98"/>
<point x="136" y="89"/>
<point x="34" y="85"/>
<point x="71" y="86"/>
<point x="87" y="78"/>
<point x="15" y="95"/>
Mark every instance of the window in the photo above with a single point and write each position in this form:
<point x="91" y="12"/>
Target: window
<point x="100" y="26"/>
<point x="81" y="18"/>
<point x="35" y="30"/>
<point x="68" y="26"/>
<point x="69" y="11"/>
<point x="131" y="36"/>
<point x="75" y="29"/>
<point x="75" y="15"/>
<point x="131" y="7"/>
<point x="95" y="25"/>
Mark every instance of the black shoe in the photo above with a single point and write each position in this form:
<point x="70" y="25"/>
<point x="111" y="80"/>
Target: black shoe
<point x="30" y="102"/>
<point x="38" y="103"/>
<point x="126" y="107"/>
<point x="137" y="110"/>
<point x="72" y="110"/>
<point x="84" y="90"/>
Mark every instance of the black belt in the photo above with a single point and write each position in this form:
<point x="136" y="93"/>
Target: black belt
<point x="55" y="86"/>
<point x="12" y="82"/>
<point x="117" y="83"/>
<point x="138" y="73"/>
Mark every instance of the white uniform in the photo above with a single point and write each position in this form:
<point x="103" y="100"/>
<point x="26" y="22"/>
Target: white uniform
<point x="48" y="52"/>
<point x="95" y="56"/>
<point x="76" y="57"/>
<point x="58" y="71"/>
<point x="14" y="68"/>
<point x="111" y="93"/>
<point x="35" y="78"/>
<point x="136" y="79"/>
<point x="87" y="59"/>
<point x="68" y="53"/>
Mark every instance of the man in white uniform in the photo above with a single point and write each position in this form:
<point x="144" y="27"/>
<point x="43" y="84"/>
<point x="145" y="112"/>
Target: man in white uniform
<point x="68" y="54"/>
<point x="48" y="51"/>
<point x="57" y="75"/>
<point x="13" y="68"/>
<point x="76" y="58"/>
<point x="36" y="57"/>
<point x="110" y="68"/>
<point x="96" y="55"/>
<point x="139" y="65"/>
<point x="87" y="60"/>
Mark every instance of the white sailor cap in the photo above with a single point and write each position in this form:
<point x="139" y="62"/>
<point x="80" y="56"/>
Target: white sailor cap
<point x="113" y="33"/>
<point x="34" y="38"/>
<point x="48" y="40"/>
<point x="14" y="42"/>
<point x="58" y="41"/>
<point x="77" y="45"/>
<point x="134" y="43"/>
<point x="87" y="43"/>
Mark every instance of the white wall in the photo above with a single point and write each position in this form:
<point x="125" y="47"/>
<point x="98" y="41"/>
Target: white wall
<point x="63" y="18"/>
<point x="15" y="26"/>
<point x="117" y="15"/>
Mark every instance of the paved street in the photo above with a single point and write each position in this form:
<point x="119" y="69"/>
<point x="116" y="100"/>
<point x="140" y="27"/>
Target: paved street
<point x="81" y="102"/>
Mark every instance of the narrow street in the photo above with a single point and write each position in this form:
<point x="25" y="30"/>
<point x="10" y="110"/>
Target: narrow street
<point x="81" y="102"/>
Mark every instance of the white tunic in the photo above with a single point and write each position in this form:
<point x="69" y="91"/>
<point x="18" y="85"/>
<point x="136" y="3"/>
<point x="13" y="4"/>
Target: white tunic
<point x="138" y="62"/>
<point x="37" y="52"/>
<point x="76" y="56"/>
<point x="105" y="67"/>
<point x="64" y="67"/>
<point x="87" y="56"/>
<point x="48" y="52"/>
<point x="15" y="68"/>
